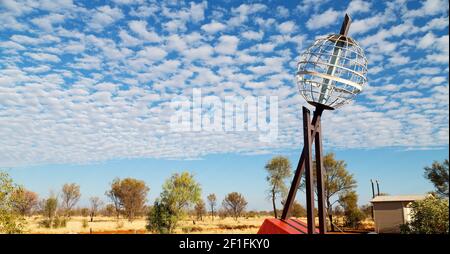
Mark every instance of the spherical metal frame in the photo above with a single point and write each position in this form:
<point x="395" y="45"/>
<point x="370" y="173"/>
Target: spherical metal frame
<point x="332" y="71"/>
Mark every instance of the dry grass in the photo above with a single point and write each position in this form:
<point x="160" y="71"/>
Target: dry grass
<point x="110" y="225"/>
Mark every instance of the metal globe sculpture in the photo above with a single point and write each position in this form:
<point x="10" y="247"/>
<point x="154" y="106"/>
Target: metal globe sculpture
<point x="332" y="71"/>
<point x="330" y="74"/>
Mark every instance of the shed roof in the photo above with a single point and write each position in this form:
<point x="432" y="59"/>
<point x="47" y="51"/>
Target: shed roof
<point x="398" y="198"/>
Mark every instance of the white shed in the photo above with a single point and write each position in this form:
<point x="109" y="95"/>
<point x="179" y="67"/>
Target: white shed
<point x="392" y="211"/>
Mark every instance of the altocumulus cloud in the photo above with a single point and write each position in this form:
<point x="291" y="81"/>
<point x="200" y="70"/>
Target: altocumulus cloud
<point x="88" y="81"/>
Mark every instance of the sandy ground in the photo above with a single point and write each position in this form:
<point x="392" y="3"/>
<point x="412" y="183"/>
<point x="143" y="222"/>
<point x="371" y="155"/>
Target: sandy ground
<point x="110" y="225"/>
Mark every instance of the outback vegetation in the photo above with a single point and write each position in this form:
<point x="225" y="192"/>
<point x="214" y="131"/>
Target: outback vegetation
<point x="181" y="209"/>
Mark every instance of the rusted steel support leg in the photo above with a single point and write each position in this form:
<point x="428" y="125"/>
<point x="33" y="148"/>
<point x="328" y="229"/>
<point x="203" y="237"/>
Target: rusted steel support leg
<point x="309" y="176"/>
<point x="319" y="174"/>
<point x="299" y="170"/>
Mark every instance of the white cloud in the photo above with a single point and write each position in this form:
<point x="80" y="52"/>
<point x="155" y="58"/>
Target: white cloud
<point x="324" y="19"/>
<point x="282" y="11"/>
<point x="175" y="42"/>
<point x="140" y="28"/>
<point x="364" y="25"/>
<point x="252" y="35"/>
<point x="152" y="53"/>
<point x="426" y="41"/>
<point x="198" y="11"/>
<point x="87" y="62"/>
<point x="126" y="2"/>
<point x="128" y="40"/>
<point x="429" y="7"/>
<point x="399" y="59"/>
<point x="99" y="87"/>
<point x="436" y="24"/>
<point x="242" y="12"/>
<point x="43" y="57"/>
<point x="358" y="6"/>
<point x="105" y="16"/>
<point x="227" y="44"/>
<point x="265" y="47"/>
<point x="47" y="22"/>
<point x="213" y="27"/>
<point x="203" y="52"/>
<point x="287" y="27"/>
<point x="56" y="5"/>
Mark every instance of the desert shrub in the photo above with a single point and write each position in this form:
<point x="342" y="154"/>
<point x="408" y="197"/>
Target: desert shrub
<point x="109" y="210"/>
<point x="428" y="216"/>
<point x="353" y="218"/>
<point x="190" y="229"/>
<point x="55" y="222"/>
<point x="45" y="223"/>
<point x="84" y="212"/>
<point x="352" y="215"/>
<point x="119" y="224"/>
<point x="222" y="213"/>
<point x="161" y="219"/>
<point x="179" y="193"/>
<point x="48" y="210"/>
<point x="235" y="227"/>
<point x="251" y="214"/>
<point x="298" y="210"/>
<point x="59" y="222"/>
<point x="70" y="194"/>
<point x="235" y="204"/>
<point x="200" y="209"/>
<point x="367" y="210"/>
<point x="84" y="223"/>
<point x="128" y="196"/>
<point x="24" y="201"/>
<point x="11" y="222"/>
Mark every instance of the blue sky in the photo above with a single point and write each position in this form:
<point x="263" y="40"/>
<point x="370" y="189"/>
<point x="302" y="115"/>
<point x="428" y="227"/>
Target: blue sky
<point x="85" y="90"/>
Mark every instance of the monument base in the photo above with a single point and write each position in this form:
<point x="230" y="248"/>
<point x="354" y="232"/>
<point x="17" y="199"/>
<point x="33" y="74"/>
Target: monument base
<point x="278" y="226"/>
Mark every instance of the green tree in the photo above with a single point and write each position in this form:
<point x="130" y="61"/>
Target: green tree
<point x="438" y="175"/>
<point x="11" y="222"/>
<point x="200" y="209"/>
<point x="179" y="193"/>
<point x="84" y="212"/>
<point x="212" y="201"/>
<point x="129" y="196"/>
<point x="49" y="208"/>
<point x="69" y="197"/>
<point x="428" y="216"/>
<point x="161" y="218"/>
<point x="298" y="210"/>
<point x="349" y="202"/>
<point x="234" y="204"/>
<point x="367" y="210"/>
<point x="337" y="180"/>
<point x="24" y="201"/>
<point x="95" y="204"/>
<point x="279" y="169"/>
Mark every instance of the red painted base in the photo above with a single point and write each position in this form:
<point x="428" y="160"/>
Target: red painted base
<point x="289" y="226"/>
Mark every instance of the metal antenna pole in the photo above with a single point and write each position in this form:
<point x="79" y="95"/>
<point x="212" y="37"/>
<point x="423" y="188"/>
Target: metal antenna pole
<point x="378" y="188"/>
<point x="373" y="189"/>
<point x="373" y="196"/>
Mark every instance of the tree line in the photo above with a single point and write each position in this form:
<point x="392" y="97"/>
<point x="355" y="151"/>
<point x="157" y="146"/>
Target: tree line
<point x="181" y="195"/>
<point x="341" y="198"/>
